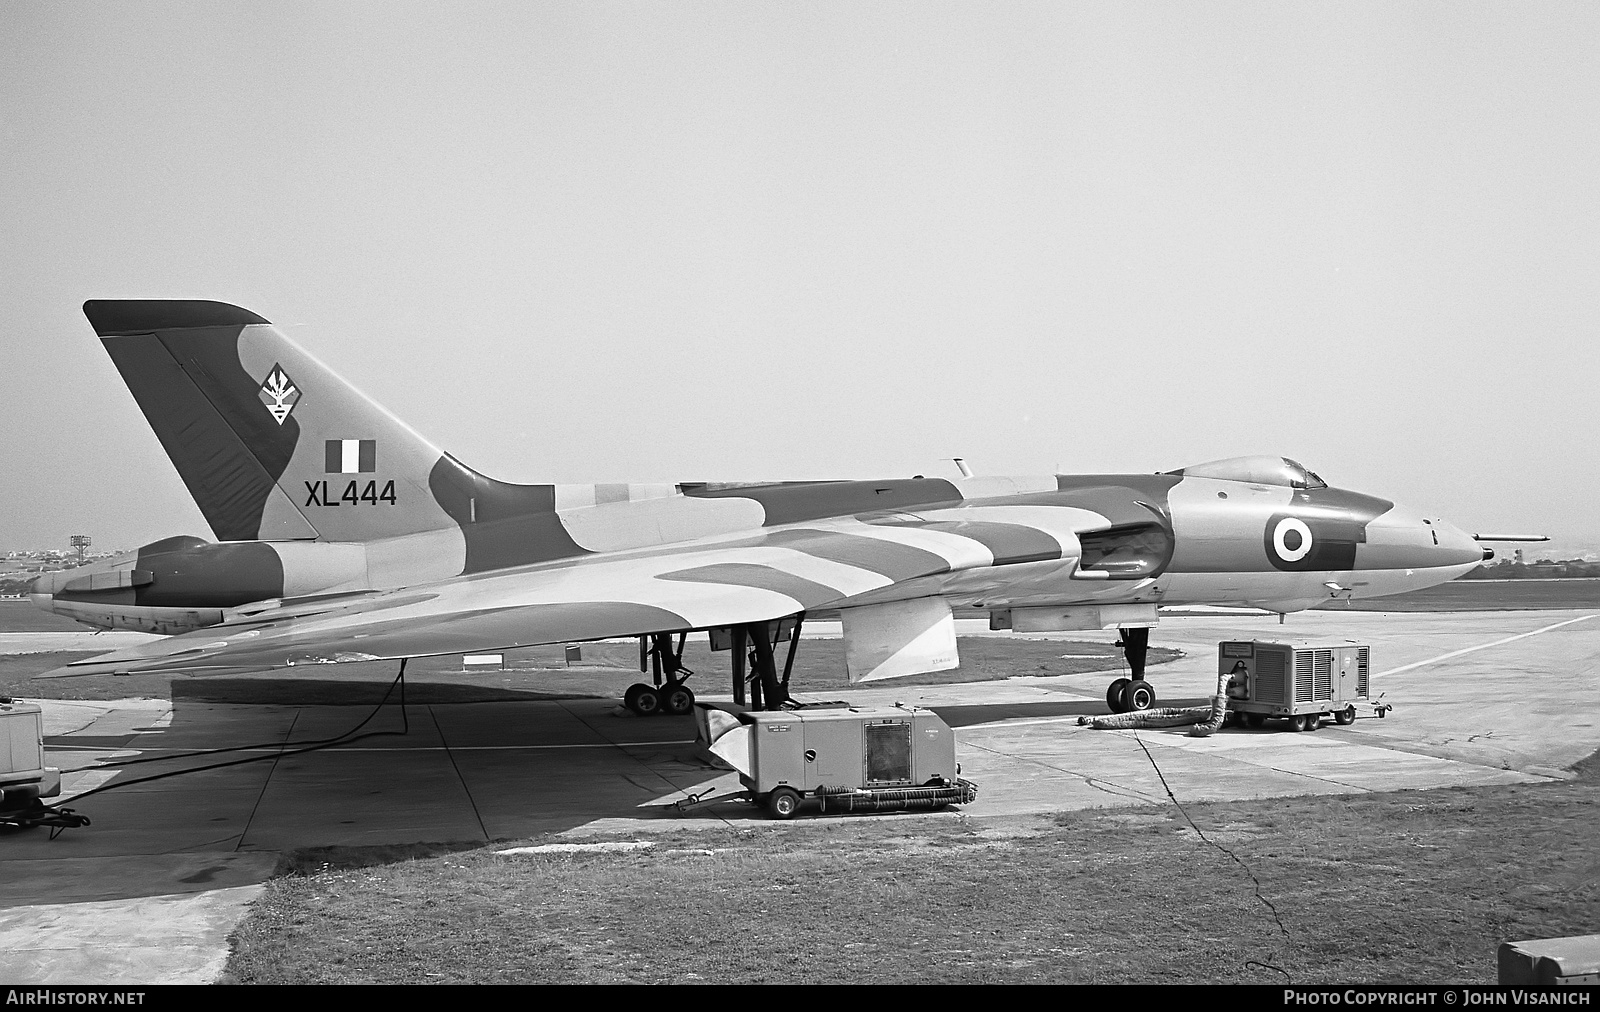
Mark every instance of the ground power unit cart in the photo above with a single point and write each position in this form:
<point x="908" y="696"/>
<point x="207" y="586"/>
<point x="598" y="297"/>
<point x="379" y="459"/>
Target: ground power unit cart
<point x="840" y="758"/>
<point x="24" y="778"/>
<point x="1296" y="681"/>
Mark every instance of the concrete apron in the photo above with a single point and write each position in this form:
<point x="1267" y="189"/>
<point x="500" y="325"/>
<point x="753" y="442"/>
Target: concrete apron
<point x="168" y="939"/>
<point x="150" y="892"/>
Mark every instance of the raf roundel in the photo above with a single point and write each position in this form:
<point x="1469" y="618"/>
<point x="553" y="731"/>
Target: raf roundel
<point x="1291" y="539"/>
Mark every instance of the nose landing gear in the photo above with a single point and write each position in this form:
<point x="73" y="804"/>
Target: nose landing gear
<point x="1127" y="694"/>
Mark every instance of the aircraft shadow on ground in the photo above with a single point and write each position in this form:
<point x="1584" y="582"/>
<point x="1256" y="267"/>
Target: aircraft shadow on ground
<point x="507" y="770"/>
<point x="338" y="692"/>
<point x="476" y="765"/>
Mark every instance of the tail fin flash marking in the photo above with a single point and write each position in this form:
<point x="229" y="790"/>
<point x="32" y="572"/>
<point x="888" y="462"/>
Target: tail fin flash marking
<point x="351" y="456"/>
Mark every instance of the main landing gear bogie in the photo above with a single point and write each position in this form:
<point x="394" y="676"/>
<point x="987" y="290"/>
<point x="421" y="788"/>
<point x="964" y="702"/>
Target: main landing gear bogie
<point x="668" y="695"/>
<point x="674" y="700"/>
<point x="763" y="688"/>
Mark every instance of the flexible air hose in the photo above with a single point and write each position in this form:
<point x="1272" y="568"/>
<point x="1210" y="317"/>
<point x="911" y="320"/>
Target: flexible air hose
<point x="1201" y="720"/>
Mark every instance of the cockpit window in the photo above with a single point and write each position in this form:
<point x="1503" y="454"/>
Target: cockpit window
<point x="1260" y="470"/>
<point x="1308" y="478"/>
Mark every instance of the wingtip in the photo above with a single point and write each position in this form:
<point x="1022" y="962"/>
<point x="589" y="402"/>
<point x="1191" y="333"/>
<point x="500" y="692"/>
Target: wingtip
<point x="110" y="317"/>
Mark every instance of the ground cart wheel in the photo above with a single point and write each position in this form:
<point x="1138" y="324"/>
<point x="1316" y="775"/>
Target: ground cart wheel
<point x="677" y="700"/>
<point x="1114" y="695"/>
<point x="1346" y="716"/>
<point x="782" y="803"/>
<point x="1139" y="695"/>
<point x="1297" y="722"/>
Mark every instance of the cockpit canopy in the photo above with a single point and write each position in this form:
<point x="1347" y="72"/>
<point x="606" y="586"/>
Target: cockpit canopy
<point x="1261" y="470"/>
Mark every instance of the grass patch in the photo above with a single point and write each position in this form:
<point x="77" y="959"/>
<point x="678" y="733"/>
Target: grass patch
<point x="1383" y="888"/>
<point x="17" y="673"/>
<point x="22" y="616"/>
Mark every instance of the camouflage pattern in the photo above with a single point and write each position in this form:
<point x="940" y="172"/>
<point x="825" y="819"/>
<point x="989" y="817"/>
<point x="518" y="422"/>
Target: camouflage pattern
<point x="345" y="535"/>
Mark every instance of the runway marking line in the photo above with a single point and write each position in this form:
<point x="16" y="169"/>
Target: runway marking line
<point x="1481" y="646"/>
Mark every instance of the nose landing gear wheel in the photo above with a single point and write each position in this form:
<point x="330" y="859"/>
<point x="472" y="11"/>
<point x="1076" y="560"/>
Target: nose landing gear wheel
<point x="1139" y="695"/>
<point x="1114" y="695"/>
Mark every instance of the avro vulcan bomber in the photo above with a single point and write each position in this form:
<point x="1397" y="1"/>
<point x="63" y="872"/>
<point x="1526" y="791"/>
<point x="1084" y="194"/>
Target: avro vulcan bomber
<point x="343" y="535"/>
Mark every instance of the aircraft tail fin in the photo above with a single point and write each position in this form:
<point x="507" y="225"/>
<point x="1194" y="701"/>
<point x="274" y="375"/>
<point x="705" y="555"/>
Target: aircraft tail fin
<point x="272" y="444"/>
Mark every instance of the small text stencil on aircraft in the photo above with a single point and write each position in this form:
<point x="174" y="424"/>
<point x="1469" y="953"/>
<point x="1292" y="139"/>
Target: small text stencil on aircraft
<point x="318" y="493"/>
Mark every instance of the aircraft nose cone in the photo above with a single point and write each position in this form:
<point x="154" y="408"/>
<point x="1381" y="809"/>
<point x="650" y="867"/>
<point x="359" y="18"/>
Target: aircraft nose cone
<point x="1406" y="539"/>
<point x="1456" y="547"/>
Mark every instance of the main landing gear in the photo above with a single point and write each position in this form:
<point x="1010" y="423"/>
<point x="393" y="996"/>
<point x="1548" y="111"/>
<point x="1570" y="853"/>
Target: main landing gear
<point x="668" y="695"/>
<point x="1128" y="694"/>
<point x="753" y="645"/>
<point x="756" y="681"/>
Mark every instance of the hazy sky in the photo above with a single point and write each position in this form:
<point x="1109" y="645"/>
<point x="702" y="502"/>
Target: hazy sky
<point x="691" y="241"/>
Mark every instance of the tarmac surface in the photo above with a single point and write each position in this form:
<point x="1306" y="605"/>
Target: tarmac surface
<point x="149" y="892"/>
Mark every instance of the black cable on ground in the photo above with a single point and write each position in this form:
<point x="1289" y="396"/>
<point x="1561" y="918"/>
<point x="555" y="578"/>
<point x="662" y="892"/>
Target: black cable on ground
<point x="399" y="680"/>
<point x="1249" y="964"/>
<point x="282" y="748"/>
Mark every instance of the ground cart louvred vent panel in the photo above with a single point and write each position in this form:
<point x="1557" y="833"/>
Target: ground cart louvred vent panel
<point x="1269" y="677"/>
<point x="1322" y="675"/>
<point x="888" y="753"/>
<point x="1302" y="676"/>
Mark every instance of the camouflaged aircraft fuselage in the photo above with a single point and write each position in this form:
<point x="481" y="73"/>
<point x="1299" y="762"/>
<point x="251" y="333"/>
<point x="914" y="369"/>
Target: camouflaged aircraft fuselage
<point x="327" y="508"/>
